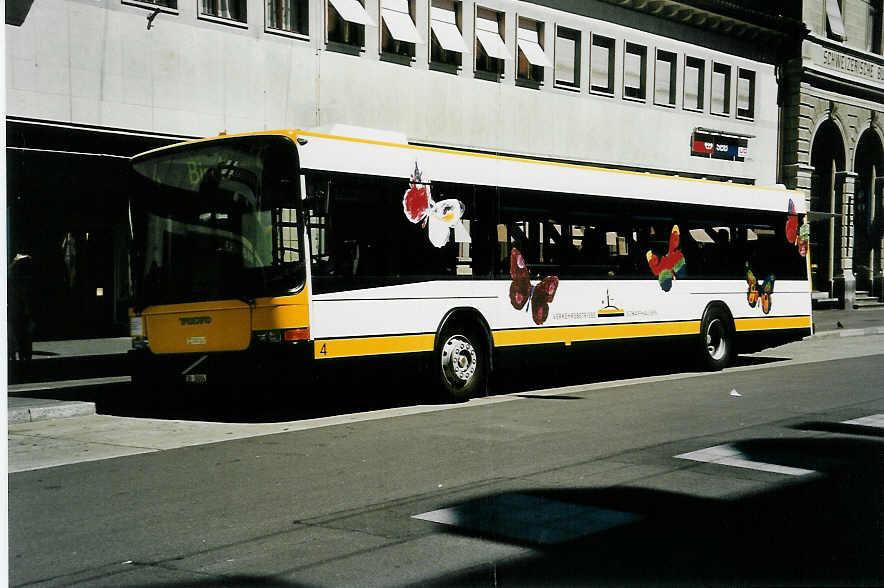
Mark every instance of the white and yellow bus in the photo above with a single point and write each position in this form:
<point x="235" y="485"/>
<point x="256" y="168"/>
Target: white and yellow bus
<point x="265" y="253"/>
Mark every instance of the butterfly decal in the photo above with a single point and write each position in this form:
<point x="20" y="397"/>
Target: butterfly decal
<point x="671" y="265"/>
<point x="521" y="290"/>
<point x="419" y="207"/>
<point x="759" y="290"/>
<point x="799" y="236"/>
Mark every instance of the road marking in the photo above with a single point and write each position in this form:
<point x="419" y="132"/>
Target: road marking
<point x="729" y="455"/>
<point x="875" y="420"/>
<point x="523" y="517"/>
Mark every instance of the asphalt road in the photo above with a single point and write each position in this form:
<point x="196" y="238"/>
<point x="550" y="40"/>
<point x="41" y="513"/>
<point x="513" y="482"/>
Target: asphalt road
<point x="577" y="486"/>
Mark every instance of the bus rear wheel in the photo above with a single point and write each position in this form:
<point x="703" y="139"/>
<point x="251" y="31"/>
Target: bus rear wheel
<point x="461" y="361"/>
<point x="717" y="338"/>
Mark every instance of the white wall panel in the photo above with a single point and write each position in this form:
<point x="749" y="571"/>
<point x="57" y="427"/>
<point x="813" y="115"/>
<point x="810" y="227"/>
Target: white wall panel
<point x="85" y="83"/>
<point x="23" y="75"/>
<point x="86" y="111"/>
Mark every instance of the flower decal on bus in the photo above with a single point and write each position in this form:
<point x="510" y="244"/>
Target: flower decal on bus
<point x="759" y="290"/>
<point x="795" y="235"/>
<point x="441" y="217"/>
<point x="521" y="289"/>
<point x="671" y="265"/>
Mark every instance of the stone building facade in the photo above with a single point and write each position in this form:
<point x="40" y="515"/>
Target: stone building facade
<point x="832" y="135"/>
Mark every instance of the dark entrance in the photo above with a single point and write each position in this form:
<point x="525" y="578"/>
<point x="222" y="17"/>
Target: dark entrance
<point x="68" y="213"/>
<point x="826" y="196"/>
<point x="867" y="212"/>
<point x="67" y="208"/>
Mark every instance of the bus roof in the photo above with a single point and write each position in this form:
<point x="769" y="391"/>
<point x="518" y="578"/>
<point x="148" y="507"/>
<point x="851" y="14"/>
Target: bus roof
<point x="350" y="154"/>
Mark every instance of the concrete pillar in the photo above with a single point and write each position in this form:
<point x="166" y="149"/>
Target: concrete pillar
<point x="845" y="280"/>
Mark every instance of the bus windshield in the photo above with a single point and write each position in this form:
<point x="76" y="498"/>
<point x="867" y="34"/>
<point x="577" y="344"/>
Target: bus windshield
<point x="216" y="220"/>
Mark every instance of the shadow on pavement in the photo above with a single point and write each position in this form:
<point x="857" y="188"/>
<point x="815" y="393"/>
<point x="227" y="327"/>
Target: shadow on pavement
<point x="363" y="385"/>
<point x="820" y="529"/>
<point x="845" y="428"/>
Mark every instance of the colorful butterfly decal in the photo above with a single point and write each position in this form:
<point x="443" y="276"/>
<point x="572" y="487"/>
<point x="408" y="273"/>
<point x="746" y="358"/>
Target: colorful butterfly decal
<point x="762" y="291"/>
<point x="521" y="290"/>
<point x="798" y="236"/>
<point x="671" y="265"/>
<point x="443" y="216"/>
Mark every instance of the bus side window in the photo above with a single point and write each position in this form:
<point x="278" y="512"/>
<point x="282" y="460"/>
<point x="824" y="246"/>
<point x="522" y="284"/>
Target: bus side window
<point x="503" y="253"/>
<point x="317" y="212"/>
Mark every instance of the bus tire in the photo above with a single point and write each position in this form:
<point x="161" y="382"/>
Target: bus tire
<point x="461" y="363"/>
<point x="717" y="341"/>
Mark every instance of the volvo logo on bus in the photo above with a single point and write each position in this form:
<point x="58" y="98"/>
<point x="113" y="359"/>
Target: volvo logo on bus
<point x="187" y="321"/>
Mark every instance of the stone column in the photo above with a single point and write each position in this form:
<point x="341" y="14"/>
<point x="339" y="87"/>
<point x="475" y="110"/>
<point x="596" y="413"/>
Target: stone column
<point x="845" y="281"/>
<point x="799" y="177"/>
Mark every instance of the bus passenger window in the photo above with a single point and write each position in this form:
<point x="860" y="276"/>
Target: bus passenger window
<point x="503" y="254"/>
<point x="464" y="258"/>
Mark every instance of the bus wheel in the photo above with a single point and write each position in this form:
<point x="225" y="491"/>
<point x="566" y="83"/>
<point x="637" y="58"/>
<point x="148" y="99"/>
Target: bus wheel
<point x="462" y="363"/>
<point x="717" y="333"/>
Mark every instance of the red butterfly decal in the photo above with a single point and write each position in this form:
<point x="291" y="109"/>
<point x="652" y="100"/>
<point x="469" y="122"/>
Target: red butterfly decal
<point x="521" y="290"/>
<point x="439" y="217"/>
<point x="417" y="200"/>
<point x="794" y="234"/>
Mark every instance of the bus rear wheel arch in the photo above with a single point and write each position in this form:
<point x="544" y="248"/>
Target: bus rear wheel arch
<point x="717" y="344"/>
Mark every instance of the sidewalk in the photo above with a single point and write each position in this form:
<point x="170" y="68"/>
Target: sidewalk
<point x="848" y="323"/>
<point x="70" y="361"/>
<point x="61" y="365"/>
<point x="81" y="347"/>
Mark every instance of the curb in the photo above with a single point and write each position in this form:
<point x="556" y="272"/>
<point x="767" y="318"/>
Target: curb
<point x="43" y="410"/>
<point x="850" y="332"/>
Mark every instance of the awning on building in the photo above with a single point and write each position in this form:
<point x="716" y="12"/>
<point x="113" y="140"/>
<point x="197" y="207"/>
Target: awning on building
<point x="833" y="14"/>
<point x="352" y="11"/>
<point x="398" y="20"/>
<point x="443" y="23"/>
<point x="489" y="36"/>
<point x="529" y="43"/>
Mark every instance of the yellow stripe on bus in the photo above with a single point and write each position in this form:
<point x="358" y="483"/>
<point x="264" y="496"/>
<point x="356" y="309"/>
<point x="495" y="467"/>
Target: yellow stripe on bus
<point x="328" y="348"/>
<point x="759" y="324"/>
<point x="594" y="332"/>
<point x="364" y="346"/>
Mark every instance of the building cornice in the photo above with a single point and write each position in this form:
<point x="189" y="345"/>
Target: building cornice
<point x="813" y="38"/>
<point x="721" y="16"/>
<point x="842" y="69"/>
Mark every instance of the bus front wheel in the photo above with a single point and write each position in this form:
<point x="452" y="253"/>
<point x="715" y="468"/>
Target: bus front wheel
<point x="461" y="363"/>
<point x="717" y="338"/>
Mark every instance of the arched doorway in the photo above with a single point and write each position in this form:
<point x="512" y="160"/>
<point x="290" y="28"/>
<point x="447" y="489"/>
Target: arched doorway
<point x="826" y="196"/>
<point x="869" y="165"/>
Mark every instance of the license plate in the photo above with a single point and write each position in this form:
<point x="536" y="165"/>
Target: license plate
<point x="195" y="378"/>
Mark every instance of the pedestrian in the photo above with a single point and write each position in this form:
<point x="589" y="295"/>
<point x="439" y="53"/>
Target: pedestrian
<point x="18" y="308"/>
